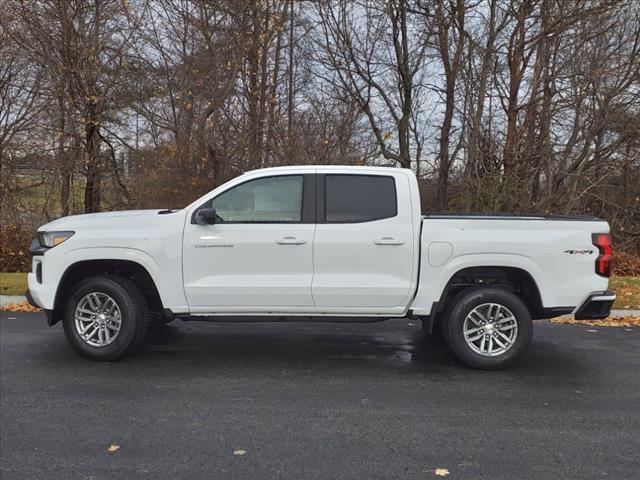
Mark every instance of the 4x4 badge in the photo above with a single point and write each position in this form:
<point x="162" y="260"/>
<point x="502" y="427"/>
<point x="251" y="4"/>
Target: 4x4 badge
<point x="578" y="252"/>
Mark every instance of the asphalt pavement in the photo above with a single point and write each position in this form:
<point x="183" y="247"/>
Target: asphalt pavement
<point x="317" y="401"/>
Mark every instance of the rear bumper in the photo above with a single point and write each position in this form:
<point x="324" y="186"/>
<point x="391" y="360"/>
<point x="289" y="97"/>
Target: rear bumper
<point x="597" y="305"/>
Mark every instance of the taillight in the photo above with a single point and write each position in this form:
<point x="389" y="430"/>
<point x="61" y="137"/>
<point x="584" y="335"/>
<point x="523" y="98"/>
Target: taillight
<point x="603" y="262"/>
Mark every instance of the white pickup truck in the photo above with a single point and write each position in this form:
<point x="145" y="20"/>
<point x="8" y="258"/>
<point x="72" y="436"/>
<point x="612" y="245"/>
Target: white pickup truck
<point x="318" y="243"/>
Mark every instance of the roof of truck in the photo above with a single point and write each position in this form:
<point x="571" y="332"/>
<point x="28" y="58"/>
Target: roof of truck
<point x="325" y="167"/>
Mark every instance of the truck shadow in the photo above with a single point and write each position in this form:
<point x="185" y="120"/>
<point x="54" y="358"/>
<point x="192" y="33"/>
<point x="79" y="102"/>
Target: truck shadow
<point x="396" y="346"/>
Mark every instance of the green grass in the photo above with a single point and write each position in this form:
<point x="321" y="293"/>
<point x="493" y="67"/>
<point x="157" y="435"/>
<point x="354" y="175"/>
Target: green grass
<point x="13" y="283"/>
<point x="627" y="288"/>
<point x="628" y="291"/>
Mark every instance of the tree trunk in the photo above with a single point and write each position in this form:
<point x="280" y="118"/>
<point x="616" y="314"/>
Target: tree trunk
<point x="290" y="90"/>
<point x="451" y="68"/>
<point x="443" y="157"/>
<point x="63" y="158"/>
<point x="404" y="153"/>
<point x="517" y="65"/>
<point x="475" y="136"/>
<point x="273" y="91"/>
<point x="92" y="140"/>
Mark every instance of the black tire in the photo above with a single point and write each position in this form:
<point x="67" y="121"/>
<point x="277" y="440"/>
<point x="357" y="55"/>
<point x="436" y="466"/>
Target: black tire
<point x="463" y="304"/>
<point x="134" y="317"/>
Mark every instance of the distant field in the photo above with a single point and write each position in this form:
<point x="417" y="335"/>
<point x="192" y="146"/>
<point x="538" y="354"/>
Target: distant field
<point x="627" y="288"/>
<point x="36" y="194"/>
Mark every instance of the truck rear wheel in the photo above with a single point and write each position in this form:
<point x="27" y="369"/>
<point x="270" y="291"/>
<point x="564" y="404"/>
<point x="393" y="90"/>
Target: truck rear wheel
<point x="488" y="328"/>
<point x="105" y="317"/>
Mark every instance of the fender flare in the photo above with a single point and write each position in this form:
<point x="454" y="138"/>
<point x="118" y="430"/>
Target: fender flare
<point x="104" y="255"/>
<point x="430" y="292"/>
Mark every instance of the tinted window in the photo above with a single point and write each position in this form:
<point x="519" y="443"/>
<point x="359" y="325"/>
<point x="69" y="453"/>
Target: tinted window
<point x="265" y="200"/>
<point x="359" y="198"/>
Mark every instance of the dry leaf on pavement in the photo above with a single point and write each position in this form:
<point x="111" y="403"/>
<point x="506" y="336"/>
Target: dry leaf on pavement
<point x="607" y="322"/>
<point x="19" y="307"/>
<point x="113" y="448"/>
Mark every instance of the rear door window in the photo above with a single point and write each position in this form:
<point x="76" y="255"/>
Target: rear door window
<point x="359" y="198"/>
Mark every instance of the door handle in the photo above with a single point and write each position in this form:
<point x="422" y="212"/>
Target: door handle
<point x="290" y="241"/>
<point x="388" y="241"/>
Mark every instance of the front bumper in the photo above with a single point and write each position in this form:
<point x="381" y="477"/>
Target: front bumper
<point x="596" y="306"/>
<point x="48" y="313"/>
<point x="39" y="295"/>
<point x="30" y="299"/>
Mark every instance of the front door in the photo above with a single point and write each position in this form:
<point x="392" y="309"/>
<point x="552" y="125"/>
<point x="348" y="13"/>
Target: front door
<point x="258" y="256"/>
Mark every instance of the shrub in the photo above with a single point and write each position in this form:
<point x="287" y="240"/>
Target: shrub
<point x="14" y="248"/>
<point x="626" y="264"/>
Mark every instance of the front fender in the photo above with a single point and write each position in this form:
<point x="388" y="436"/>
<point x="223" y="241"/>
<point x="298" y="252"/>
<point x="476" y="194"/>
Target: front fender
<point x="168" y="280"/>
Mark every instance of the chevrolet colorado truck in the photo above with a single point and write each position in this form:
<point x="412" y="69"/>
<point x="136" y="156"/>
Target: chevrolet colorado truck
<point x="316" y="243"/>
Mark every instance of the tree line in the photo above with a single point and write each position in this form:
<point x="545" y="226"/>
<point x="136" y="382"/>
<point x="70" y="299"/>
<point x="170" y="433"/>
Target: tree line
<point x="497" y="105"/>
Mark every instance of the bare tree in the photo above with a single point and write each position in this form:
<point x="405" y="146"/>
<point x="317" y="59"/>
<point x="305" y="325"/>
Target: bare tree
<point x="449" y="18"/>
<point x="376" y="66"/>
<point x="498" y="105"/>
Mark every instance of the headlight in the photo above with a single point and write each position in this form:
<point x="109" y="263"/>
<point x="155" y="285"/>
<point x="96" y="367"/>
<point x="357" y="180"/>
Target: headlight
<point x="51" y="239"/>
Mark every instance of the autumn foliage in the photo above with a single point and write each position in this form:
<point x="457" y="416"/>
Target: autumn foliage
<point x="626" y="264"/>
<point x="14" y="248"/>
<point x="19" y="307"/>
<point x="498" y="106"/>
<point x="626" y="322"/>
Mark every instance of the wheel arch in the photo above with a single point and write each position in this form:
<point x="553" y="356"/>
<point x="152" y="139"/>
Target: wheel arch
<point x="82" y="269"/>
<point x="515" y="279"/>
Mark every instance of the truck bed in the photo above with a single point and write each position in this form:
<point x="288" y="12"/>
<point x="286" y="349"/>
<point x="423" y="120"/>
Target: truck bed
<point x="556" y="251"/>
<point x="511" y="216"/>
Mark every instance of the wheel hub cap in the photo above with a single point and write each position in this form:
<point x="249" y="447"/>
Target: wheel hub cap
<point x="97" y="319"/>
<point x="490" y="329"/>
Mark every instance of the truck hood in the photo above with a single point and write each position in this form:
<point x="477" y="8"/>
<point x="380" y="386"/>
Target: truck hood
<point x="100" y="220"/>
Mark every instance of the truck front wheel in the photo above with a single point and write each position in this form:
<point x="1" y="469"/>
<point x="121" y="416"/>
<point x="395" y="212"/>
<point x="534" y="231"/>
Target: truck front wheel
<point x="105" y="317"/>
<point x="488" y="328"/>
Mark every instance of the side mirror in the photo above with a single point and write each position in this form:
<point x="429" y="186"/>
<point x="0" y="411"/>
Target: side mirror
<point x="205" y="216"/>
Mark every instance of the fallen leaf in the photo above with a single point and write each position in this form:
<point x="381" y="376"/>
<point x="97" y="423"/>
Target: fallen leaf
<point x="113" y="448"/>
<point x="239" y="452"/>
<point x="629" y="321"/>
<point x="441" y="472"/>
<point x="19" y="307"/>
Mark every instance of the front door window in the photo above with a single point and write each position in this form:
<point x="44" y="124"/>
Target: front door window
<point x="265" y="200"/>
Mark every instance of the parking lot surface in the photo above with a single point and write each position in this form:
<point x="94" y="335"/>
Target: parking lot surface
<point x="317" y="401"/>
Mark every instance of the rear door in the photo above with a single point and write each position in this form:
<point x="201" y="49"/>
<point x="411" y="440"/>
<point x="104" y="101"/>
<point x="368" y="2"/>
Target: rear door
<point x="364" y="242"/>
